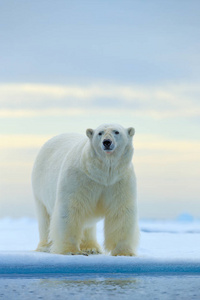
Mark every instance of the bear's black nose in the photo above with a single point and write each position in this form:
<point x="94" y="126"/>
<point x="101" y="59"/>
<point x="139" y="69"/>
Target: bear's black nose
<point x="107" y="143"/>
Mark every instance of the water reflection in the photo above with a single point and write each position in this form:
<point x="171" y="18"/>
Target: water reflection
<point x="98" y="286"/>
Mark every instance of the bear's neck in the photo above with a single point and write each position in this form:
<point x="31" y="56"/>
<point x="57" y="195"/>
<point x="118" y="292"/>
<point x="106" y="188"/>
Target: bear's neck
<point x="108" y="170"/>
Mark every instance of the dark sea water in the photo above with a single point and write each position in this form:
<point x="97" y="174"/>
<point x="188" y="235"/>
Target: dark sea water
<point x="101" y="287"/>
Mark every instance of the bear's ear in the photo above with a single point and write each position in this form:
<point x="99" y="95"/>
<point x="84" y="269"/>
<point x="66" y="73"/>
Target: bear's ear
<point x="89" y="132"/>
<point x="131" y="131"/>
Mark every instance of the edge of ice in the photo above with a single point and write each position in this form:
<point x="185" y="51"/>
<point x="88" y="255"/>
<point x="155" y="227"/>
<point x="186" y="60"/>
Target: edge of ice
<point x="32" y="263"/>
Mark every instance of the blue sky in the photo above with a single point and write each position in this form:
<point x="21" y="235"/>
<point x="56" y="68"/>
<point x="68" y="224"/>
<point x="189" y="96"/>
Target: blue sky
<point x="70" y="65"/>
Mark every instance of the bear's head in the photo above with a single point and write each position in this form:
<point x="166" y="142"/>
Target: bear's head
<point x="111" y="140"/>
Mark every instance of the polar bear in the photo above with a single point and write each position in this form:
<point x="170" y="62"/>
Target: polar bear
<point x="78" y="180"/>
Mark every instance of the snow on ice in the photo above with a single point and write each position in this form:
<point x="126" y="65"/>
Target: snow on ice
<point x="165" y="247"/>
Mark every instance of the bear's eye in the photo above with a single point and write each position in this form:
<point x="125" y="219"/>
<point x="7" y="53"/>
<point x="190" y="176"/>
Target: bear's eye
<point x="100" y="133"/>
<point x="116" y="132"/>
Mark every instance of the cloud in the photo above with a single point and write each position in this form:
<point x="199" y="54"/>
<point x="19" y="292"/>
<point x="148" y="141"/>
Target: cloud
<point x="24" y="100"/>
<point x="14" y="141"/>
<point x="26" y="113"/>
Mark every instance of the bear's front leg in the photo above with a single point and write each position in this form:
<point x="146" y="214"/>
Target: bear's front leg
<point x="121" y="233"/>
<point x="121" y="224"/>
<point x="66" y="230"/>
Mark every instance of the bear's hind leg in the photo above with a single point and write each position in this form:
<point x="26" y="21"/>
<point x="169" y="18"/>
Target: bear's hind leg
<point x="89" y="243"/>
<point x="43" y="223"/>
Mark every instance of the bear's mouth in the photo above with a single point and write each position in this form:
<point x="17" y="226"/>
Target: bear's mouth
<point x="108" y="151"/>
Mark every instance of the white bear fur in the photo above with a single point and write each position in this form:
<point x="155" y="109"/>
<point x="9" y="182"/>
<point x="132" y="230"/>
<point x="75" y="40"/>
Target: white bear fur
<point x="76" y="183"/>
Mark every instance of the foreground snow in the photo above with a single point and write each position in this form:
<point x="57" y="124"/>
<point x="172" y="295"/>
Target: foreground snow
<point x="165" y="247"/>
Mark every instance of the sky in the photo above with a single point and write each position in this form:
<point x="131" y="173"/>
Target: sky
<point x="66" y="66"/>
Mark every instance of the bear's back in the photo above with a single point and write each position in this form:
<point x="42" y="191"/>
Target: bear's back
<point x="48" y="163"/>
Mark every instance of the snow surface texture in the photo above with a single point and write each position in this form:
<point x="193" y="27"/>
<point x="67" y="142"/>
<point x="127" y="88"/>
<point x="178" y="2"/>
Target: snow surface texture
<point x="166" y="247"/>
